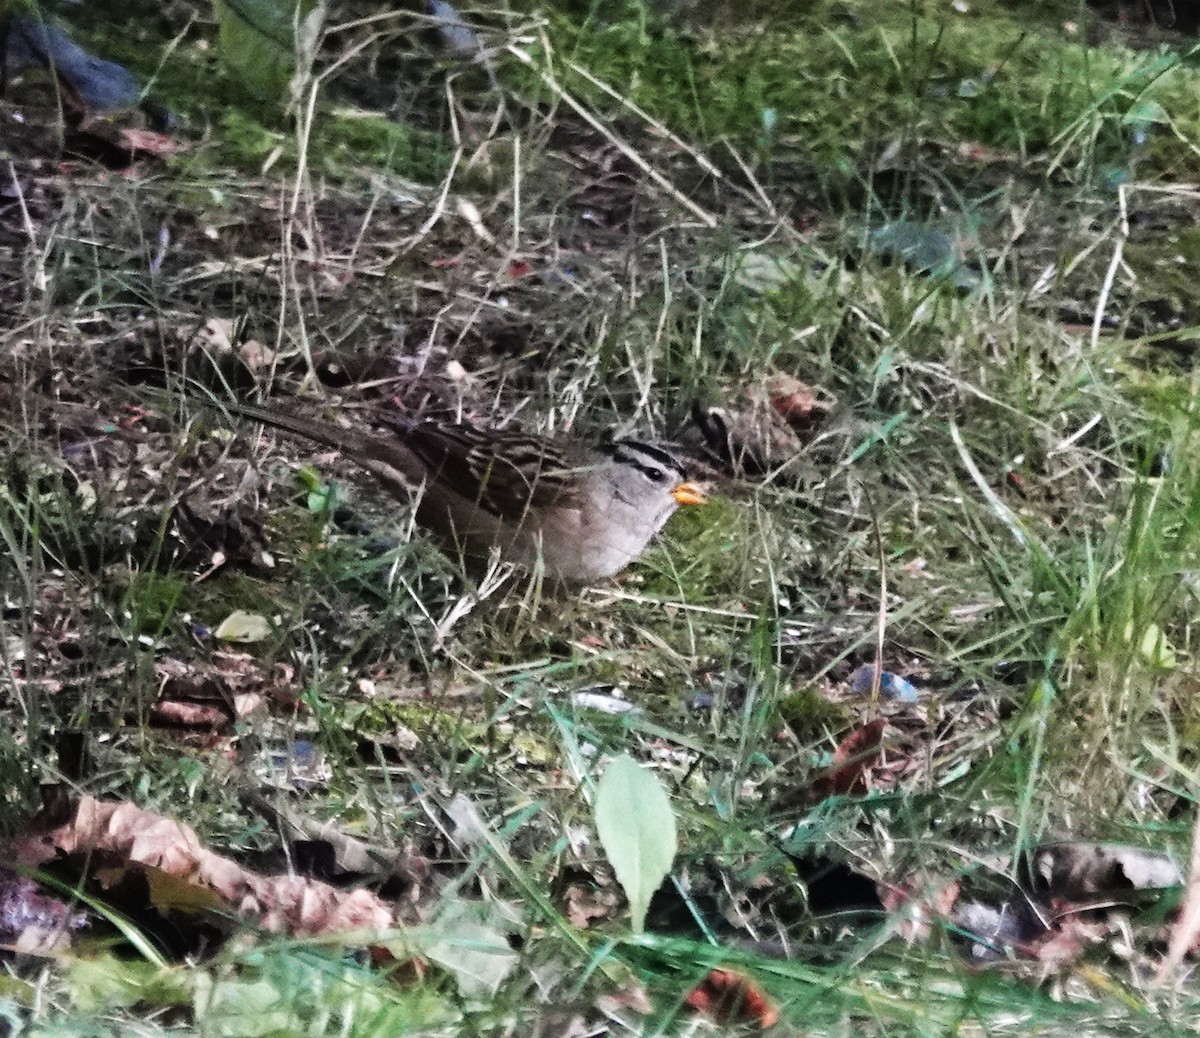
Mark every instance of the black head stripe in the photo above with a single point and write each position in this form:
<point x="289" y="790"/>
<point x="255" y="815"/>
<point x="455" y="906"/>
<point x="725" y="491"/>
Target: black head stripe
<point x="641" y="455"/>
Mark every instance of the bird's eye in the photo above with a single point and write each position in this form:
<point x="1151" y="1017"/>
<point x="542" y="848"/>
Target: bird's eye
<point x="655" y="475"/>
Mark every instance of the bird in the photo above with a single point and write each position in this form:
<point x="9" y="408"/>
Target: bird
<point x="766" y="426"/>
<point x="580" y="513"/>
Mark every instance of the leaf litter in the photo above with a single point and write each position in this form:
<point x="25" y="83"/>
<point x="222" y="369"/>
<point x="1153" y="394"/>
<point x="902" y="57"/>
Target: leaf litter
<point x="126" y="837"/>
<point x="480" y="337"/>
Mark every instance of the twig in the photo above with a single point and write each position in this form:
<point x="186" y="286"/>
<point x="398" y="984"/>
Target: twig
<point x="699" y="157"/>
<point x="1113" y="264"/>
<point x="439" y="206"/>
<point x="881" y="625"/>
<point x="993" y="499"/>
<point x="40" y="280"/>
<point x="595" y="593"/>
<point x="748" y="173"/>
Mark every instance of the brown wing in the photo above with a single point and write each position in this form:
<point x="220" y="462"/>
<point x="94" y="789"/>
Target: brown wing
<point x="502" y="472"/>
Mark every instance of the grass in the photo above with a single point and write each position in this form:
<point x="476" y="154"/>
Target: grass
<point x="1024" y="80"/>
<point x="1017" y="497"/>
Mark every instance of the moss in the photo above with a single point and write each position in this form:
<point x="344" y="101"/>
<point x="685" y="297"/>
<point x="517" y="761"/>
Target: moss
<point x="449" y="732"/>
<point x="704" y="555"/>
<point x="153" y="600"/>
<point x="221" y="594"/>
<point x="430" y="723"/>
<point x="809" y="714"/>
<point x="344" y="141"/>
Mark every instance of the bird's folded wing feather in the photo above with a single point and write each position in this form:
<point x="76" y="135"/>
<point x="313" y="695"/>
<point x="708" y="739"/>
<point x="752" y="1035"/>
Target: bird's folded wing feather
<point x="504" y="473"/>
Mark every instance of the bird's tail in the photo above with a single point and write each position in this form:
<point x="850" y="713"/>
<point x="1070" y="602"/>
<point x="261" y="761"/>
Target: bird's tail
<point x="323" y="432"/>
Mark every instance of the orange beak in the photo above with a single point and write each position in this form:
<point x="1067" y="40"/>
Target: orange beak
<point x="689" y="494"/>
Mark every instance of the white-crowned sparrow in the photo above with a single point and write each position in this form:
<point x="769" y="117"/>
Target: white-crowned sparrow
<point x="763" y="427"/>
<point x="582" y="513"/>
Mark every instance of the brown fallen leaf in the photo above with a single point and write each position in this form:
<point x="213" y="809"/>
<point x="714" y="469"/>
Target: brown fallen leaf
<point x="585" y="904"/>
<point x="115" y="834"/>
<point x="1066" y="942"/>
<point x="117" y="147"/>
<point x="797" y="403"/>
<point x="854" y="757"/>
<point x="193" y="702"/>
<point x="201" y="716"/>
<point x="138" y="141"/>
<point x="732" y="998"/>
<point x="922" y="903"/>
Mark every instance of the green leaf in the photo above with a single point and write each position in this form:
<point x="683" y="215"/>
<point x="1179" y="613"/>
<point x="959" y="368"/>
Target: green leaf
<point x="1154" y="646"/>
<point x="637" y="830"/>
<point x="309" y="480"/>
<point x="1145" y="112"/>
<point x="323" y="501"/>
<point x="241" y="1009"/>
<point x="106" y="982"/>
<point x="257" y="40"/>
<point x="469" y="946"/>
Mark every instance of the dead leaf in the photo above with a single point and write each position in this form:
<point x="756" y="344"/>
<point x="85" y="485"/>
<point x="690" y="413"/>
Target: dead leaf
<point x="129" y="838"/>
<point x="733" y="998"/>
<point x="149" y="142"/>
<point x="797" y="403"/>
<point x="1064" y="945"/>
<point x="586" y="903"/>
<point x="193" y="702"/>
<point x="855" y="756"/>
<point x="34" y="922"/>
<point x="255" y="356"/>
<point x="922" y="904"/>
